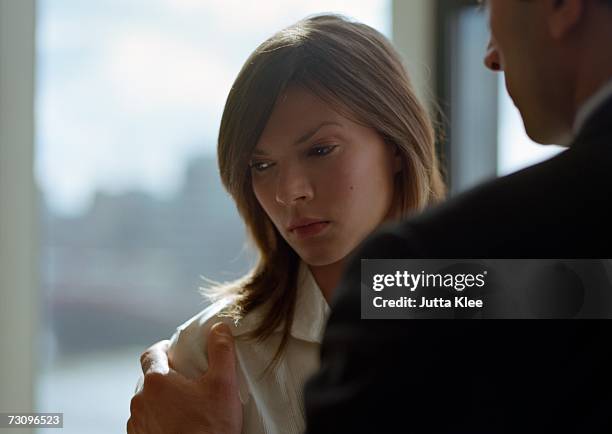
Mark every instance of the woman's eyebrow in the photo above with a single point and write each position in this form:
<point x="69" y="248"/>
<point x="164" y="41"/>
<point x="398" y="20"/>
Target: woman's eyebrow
<point x="302" y="139"/>
<point x="259" y="152"/>
<point x="313" y="131"/>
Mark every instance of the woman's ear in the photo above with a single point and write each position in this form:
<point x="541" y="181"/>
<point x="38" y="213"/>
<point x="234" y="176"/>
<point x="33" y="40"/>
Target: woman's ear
<point x="396" y="154"/>
<point x="398" y="162"/>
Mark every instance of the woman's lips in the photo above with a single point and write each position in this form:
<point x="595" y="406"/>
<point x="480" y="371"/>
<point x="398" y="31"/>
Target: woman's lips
<point x="310" y="230"/>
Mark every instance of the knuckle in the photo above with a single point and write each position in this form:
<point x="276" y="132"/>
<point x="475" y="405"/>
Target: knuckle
<point x="224" y="347"/>
<point x="135" y="406"/>
<point x="131" y="426"/>
<point x="220" y="385"/>
<point x="153" y="382"/>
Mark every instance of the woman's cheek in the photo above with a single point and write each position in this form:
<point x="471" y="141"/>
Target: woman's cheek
<point x="265" y="199"/>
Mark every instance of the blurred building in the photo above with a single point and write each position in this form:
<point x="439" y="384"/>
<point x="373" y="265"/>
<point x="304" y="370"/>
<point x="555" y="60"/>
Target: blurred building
<point x="130" y="255"/>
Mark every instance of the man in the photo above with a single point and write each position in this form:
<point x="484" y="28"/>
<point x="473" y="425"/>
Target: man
<point x="496" y="376"/>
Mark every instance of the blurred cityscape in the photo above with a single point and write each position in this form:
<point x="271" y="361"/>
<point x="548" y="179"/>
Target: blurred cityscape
<point x="127" y="271"/>
<point x="126" y="92"/>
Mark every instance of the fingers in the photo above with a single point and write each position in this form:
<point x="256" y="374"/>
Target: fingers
<point x="221" y="354"/>
<point x="158" y="393"/>
<point x="130" y="427"/>
<point x="155" y="359"/>
<point x="137" y="416"/>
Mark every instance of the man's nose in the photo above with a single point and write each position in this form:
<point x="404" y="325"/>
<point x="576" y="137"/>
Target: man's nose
<point x="293" y="186"/>
<point x="492" y="60"/>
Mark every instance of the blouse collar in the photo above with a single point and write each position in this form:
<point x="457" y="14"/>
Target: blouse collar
<point x="310" y="316"/>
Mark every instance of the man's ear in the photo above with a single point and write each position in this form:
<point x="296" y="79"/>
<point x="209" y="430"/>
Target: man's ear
<point x="563" y="16"/>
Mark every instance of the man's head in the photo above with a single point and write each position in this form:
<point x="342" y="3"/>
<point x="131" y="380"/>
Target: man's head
<point x="555" y="54"/>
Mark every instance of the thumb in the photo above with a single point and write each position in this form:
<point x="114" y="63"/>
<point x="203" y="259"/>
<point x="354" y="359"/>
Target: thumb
<point x="221" y="354"/>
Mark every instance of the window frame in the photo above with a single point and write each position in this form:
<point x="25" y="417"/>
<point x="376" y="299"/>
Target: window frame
<point x="462" y="173"/>
<point x="18" y="211"/>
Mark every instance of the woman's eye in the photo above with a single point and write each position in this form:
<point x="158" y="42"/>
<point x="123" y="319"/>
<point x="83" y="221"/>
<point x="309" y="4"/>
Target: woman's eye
<point x="260" y="166"/>
<point x="319" y="151"/>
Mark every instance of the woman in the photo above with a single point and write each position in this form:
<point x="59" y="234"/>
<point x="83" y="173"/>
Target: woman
<point x="322" y="140"/>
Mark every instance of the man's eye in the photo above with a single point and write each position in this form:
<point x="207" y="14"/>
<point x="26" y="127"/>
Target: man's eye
<point x="260" y="166"/>
<point x="319" y="151"/>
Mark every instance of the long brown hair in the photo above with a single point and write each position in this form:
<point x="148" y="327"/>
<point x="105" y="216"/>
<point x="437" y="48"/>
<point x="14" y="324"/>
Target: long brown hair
<point x="354" y="68"/>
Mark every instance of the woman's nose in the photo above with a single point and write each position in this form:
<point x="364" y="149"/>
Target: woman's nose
<point x="491" y="59"/>
<point x="293" y="186"/>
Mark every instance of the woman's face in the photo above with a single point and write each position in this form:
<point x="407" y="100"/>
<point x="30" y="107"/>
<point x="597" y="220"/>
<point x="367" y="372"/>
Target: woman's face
<point x="325" y="182"/>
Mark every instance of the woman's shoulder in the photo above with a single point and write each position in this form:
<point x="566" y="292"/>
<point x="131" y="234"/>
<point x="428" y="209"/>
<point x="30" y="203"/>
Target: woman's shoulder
<point x="187" y="353"/>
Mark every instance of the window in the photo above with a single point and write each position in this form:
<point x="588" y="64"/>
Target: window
<point x="130" y="96"/>
<point x="515" y="149"/>
<point x="485" y="134"/>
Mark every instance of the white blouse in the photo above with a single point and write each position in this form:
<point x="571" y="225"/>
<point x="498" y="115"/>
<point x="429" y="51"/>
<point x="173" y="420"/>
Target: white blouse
<point x="273" y="403"/>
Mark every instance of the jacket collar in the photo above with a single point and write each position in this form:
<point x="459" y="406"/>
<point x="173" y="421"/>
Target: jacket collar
<point x="597" y="125"/>
<point x="591" y="106"/>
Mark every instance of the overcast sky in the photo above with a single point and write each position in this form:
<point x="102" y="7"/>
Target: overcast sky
<point x="127" y="90"/>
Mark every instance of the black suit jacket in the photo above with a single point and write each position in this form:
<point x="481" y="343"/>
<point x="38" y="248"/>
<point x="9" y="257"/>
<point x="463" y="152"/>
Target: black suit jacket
<point x="481" y="376"/>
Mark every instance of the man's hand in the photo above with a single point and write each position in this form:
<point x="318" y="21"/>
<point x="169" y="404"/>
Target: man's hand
<point x="170" y="403"/>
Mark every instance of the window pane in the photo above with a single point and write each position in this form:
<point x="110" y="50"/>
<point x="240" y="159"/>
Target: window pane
<point x="516" y="150"/>
<point x="129" y="99"/>
<point x="474" y="90"/>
